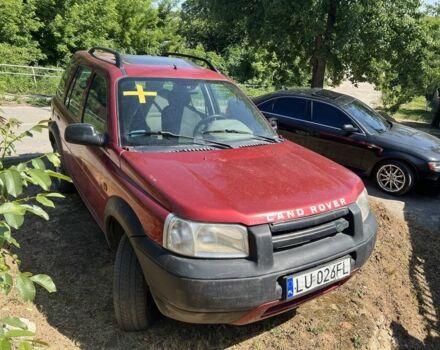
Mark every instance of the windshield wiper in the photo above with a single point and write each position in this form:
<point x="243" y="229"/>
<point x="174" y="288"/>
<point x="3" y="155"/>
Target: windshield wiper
<point x="232" y="131"/>
<point x="173" y="135"/>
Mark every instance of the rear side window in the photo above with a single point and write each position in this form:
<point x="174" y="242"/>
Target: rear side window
<point x="65" y="79"/>
<point x="329" y="116"/>
<point x="291" y="107"/>
<point x="95" y="112"/>
<point x="75" y="94"/>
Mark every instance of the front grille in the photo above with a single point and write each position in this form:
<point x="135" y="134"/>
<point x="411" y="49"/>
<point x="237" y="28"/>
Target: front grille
<point x="313" y="228"/>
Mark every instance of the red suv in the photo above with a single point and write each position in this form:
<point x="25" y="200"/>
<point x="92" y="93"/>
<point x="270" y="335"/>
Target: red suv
<point x="213" y="216"/>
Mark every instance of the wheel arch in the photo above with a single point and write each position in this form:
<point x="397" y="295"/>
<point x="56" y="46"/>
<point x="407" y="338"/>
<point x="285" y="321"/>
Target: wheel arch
<point x="397" y="158"/>
<point x="120" y="219"/>
<point x="54" y="133"/>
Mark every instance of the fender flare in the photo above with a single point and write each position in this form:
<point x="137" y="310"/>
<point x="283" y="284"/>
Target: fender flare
<point x="54" y="133"/>
<point x="120" y="211"/>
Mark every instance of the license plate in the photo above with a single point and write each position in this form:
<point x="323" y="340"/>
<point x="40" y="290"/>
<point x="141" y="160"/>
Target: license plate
<point x="314" y="279"/>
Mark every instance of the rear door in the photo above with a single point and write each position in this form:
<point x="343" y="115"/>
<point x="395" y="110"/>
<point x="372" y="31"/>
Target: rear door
<point x="331" y="141"/>
<point x="292" y="114"/>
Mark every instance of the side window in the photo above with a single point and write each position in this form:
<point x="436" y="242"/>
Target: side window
<point x="95" y="111"/>
<point x="291" y="107"/>
<point x="328" y="115"/>
<point x="64" y="79"/>
<point x="74" y="97"/>
<point x="266" y="106"/>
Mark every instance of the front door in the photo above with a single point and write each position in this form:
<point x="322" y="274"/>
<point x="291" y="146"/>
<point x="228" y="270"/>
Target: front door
<point x="328" y="138"/>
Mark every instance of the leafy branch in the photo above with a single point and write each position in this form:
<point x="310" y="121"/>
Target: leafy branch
<point x="14" y="205"/>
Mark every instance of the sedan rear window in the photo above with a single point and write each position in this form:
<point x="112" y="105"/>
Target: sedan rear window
<point x="291" y="107"/>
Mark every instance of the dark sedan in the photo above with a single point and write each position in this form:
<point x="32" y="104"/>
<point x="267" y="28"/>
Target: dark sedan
<point x="349" y="132"/>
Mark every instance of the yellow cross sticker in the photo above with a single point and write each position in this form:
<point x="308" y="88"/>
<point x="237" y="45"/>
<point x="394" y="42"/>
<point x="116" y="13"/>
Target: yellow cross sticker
<point x="140" y="93"/>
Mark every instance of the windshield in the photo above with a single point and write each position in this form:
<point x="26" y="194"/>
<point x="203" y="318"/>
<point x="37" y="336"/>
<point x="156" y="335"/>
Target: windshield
<point x="171" y="112"/>
<point x="366" y="116"/>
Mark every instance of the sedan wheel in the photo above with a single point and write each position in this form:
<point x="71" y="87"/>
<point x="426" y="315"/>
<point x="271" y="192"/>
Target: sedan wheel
<point x="394" y="177"/>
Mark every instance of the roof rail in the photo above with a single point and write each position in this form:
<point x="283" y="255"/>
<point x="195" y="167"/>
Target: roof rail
<point x="118" y="61"/>
<point x="205" y="60"/>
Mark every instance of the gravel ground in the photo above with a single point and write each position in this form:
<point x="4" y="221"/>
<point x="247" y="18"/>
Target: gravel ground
<point x="30" y="116"/>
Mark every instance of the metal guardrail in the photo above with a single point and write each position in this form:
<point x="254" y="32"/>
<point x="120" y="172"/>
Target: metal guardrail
<point x="32" y="71"/>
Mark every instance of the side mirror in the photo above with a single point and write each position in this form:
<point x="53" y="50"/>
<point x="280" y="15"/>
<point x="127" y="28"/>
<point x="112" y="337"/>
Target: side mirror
<point x="273" y="123"/>
<point x="84" y="134"/>
<point x="349" y="128"/>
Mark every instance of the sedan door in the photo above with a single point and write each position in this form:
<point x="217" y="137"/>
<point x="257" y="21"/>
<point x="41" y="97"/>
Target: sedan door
<point x="330" y="140"/>
<point x="292" y="114"/>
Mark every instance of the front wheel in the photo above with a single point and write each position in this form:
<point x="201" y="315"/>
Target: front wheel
<point x="134" y="306"/>
<point x="394" y="177"/>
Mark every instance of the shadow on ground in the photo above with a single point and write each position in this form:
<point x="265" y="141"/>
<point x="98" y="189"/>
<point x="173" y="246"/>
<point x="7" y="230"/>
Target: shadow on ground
<point x="421" y="211"/>
<point x="71" y="248"/>
<point x="420" y="113"/>
<point x="423" y="126"/>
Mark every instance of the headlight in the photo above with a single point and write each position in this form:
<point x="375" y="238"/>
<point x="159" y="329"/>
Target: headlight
<point x="205" y="240"/>
<point x="362" y="203"/>
<point x="434" y="166"/>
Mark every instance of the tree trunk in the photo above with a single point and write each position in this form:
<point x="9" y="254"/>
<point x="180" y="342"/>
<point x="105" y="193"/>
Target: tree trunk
<point x="322" y="47"/>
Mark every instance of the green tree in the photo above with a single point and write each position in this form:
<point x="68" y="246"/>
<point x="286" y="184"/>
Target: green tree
<point x="83" y="24"/>
<point x="245" y="61"/>
<point x="18" y="23"/>
<point x="326" y="38"/>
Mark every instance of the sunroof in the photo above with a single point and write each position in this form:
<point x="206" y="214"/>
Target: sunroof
<point x="157" y="61"/>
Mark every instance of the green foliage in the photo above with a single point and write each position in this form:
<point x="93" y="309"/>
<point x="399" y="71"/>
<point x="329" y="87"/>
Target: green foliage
<point x="14" y="205"/>
<point x="18" y="23"/>
<point x="83" y="24"/>
<point x="268" y="44"/>
<point x="128" y="25"/>
<point x="417" y="109"/>
<point x="283" y="38"/>
<point x="14" y="333"/>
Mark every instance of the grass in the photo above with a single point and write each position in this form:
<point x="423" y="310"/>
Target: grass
<point x="416" y="110"/>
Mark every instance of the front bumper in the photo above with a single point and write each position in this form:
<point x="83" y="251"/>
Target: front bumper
<point x="430" y="179"/>
<point x="241" y="291"/>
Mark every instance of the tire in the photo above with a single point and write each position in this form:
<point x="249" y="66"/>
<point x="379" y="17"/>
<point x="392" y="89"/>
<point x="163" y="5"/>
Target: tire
<point x="59" y="185"/>
<point x="394" y="177"/>
<point x="134" y="306"/>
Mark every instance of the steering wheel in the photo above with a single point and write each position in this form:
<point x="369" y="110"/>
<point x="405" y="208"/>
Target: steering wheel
<point x="205" y="122"/>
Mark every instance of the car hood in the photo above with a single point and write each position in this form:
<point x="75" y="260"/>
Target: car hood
<point x="253" y="185"/>
<point x="413" y="141"/>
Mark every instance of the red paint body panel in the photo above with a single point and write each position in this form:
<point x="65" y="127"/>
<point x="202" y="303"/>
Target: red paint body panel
<point x="245" y="185"/>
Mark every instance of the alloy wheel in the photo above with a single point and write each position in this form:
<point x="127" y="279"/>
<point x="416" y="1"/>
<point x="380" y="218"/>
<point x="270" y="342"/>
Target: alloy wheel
<point x="391" y="178"/>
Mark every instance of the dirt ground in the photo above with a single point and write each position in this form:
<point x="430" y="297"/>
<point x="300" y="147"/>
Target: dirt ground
<point x="393" y="302"/>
